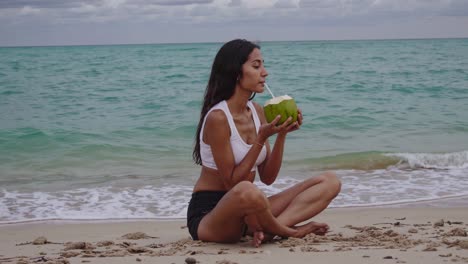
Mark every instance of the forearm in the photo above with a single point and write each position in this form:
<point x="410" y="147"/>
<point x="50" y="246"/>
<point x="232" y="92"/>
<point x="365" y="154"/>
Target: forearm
<point x="242" y="171"/>
<point x="273" y="164"/>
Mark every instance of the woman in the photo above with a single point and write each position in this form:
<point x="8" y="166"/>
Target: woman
<point x="231" y="144"/>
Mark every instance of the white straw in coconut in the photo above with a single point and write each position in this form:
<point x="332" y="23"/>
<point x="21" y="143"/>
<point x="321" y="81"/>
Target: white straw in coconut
<point x="266" y="86"/>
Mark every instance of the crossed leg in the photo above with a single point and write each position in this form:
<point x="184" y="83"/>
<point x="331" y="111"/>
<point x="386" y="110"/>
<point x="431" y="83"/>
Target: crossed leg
<point x="244" y="202"/>
<point x="277" y="215"/>
<point x="301" y="202"/>
<point x="305" y="199"/>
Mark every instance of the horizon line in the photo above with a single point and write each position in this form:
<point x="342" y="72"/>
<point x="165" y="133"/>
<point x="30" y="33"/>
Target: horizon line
<point x="217" y="42"/>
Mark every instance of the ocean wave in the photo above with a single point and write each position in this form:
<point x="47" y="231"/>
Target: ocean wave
<point x="95" y="203"/>
<point x="166" y="199"/>
<point x="371" y="160"/>
<point x="453" y="160"/>
<point x="375" y="160"/>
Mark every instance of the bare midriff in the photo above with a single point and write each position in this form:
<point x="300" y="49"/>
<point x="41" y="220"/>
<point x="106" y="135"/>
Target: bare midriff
<point x="210" y="180"/>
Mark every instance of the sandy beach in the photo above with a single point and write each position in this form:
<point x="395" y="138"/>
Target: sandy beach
<point x="357" y="235"/>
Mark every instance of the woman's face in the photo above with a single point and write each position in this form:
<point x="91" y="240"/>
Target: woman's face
<point x="253" y="73"/>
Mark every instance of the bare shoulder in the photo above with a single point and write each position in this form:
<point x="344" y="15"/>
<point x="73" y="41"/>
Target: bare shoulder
<point x="216" y="117"/>
<point x="216" y="127"/>
<point x="217" y="121"/>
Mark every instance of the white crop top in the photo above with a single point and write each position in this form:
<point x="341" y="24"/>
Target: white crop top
<point x="238" y="145"/>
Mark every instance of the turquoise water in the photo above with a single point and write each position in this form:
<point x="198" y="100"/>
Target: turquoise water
<point x="107" y="131"/>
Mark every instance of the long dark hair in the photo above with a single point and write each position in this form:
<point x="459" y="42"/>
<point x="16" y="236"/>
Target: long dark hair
<point x="226" y="69"/>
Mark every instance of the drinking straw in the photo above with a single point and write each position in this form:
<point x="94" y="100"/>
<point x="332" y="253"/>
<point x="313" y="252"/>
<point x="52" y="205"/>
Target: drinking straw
<point x="268" y="88"/>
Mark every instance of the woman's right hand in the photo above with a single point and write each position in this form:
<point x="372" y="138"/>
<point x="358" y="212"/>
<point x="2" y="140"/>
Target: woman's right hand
<point x="269" y="129"/>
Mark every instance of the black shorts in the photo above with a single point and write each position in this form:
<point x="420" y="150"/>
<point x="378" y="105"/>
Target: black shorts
<point x="201" y="204"/>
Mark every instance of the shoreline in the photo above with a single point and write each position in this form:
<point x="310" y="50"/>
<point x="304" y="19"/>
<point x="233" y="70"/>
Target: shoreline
<point x="221" y="42"/>
<point x="357" y="235"/>
<point x="460" y="201"/>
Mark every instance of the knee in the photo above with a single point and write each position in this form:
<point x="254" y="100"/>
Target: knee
<point x="332" y="183"/>
<point x="248" y="194"/>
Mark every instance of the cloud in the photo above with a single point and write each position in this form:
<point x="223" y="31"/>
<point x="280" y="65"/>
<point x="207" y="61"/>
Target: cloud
<point x="44" y="3"/>
<point x="29" y="11"/>
<point x="235" y="3"/>
<point x="379" y="7"/>
<point x="172" y="20"/>
<point x="175" y="2"/>
<point x="76" y="3"/>
<point x="286" y="4"/>
<point x="456" y="8"/>
<point x="302" y="10"/>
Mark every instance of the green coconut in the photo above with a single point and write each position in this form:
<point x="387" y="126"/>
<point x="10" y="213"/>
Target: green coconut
<point x="280" y="105"/>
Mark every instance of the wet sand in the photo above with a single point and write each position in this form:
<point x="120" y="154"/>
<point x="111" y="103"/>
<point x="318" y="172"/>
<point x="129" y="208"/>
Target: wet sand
<point x="357" y="235"/>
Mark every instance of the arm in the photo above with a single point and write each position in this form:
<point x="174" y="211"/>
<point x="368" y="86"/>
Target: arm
<point x="217" y="134"/>
<point x="269" y="169"/>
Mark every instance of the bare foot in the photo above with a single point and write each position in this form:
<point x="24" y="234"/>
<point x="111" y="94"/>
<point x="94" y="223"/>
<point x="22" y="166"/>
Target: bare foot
<point x="311" y="227"/>
<point x="259" y="237"/>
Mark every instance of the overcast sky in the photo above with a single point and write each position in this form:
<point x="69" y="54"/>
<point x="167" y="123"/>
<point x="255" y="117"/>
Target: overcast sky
<point x="81" y="22"/>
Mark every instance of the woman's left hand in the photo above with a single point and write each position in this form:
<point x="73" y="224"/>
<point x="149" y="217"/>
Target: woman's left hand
<point x="295" y="125"/>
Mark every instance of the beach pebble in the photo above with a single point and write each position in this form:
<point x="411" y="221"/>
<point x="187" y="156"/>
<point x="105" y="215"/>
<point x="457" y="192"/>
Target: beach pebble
<point x="388" y="257"/>
<point x="190" y="261"/>
<point x="412" y="230"/>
